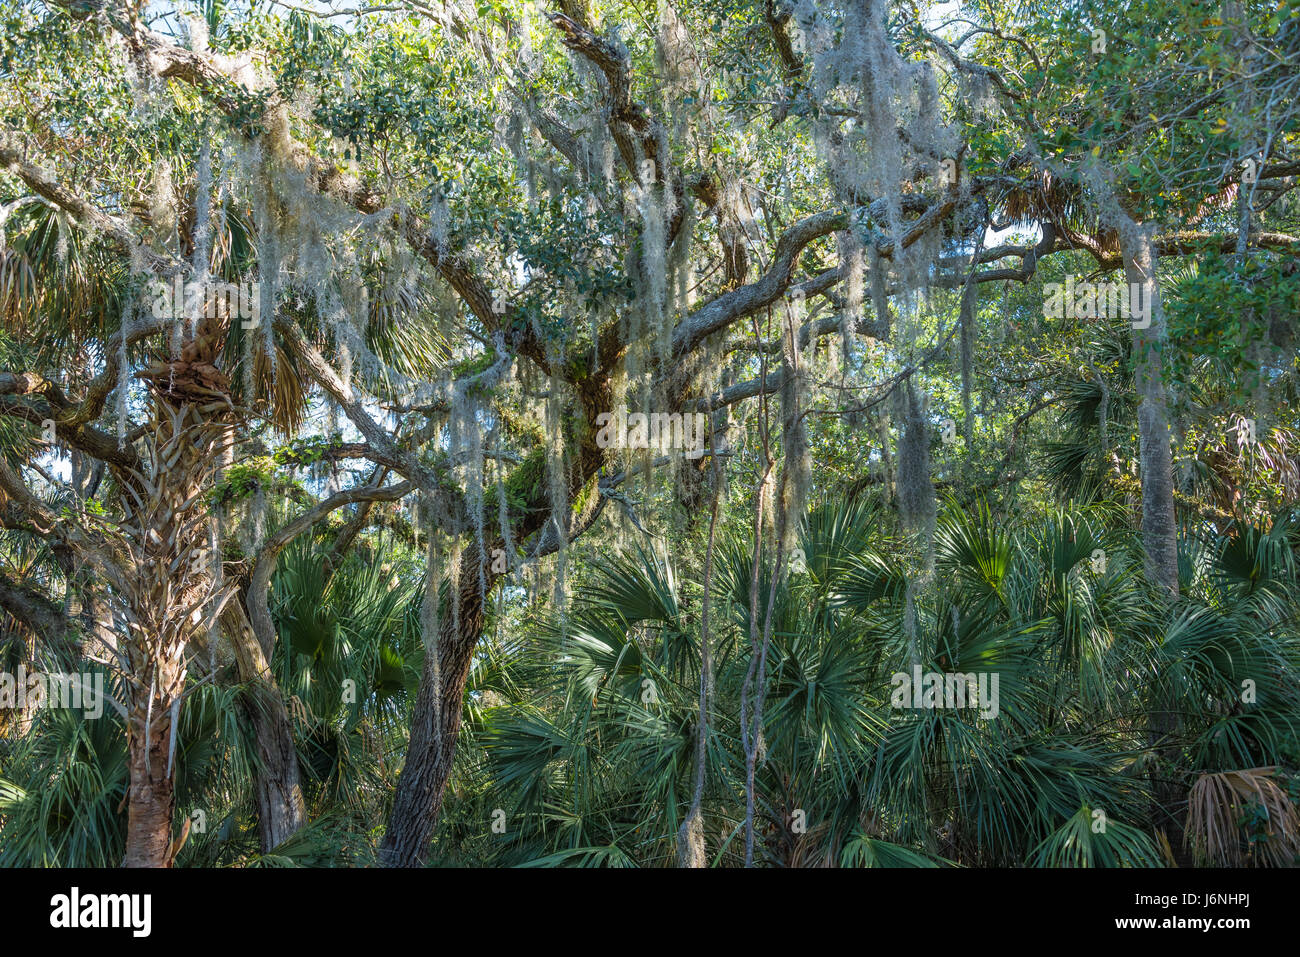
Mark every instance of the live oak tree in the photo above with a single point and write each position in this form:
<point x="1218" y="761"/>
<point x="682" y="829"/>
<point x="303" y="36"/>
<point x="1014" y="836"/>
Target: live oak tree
<point x="475" y="231"/>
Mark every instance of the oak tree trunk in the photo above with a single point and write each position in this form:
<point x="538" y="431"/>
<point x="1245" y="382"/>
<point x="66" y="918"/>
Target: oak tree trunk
<point x="424" y="777"/>
<point x="281" y="810"/>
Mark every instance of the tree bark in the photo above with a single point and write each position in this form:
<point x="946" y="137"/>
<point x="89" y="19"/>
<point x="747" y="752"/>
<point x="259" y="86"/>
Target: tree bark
<point x="281" y="810"/>
<point x="690" y="836"/>
<point x="436" y="720"/>
<point x="165" y="599"/>
<point x="151" y="797"/>
<point x="424" y="777"/>
<point x="1159" y="526"/>
<point x="1159" y="522"/>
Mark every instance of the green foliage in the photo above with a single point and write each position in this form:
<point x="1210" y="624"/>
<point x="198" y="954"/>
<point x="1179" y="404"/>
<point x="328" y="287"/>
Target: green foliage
<point x="467" y="160"/>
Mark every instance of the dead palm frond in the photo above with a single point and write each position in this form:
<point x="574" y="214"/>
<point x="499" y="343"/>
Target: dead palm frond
<point x="1238" y="818"/>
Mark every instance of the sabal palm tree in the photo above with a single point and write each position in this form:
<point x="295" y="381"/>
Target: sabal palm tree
<point x="591" y="762"/>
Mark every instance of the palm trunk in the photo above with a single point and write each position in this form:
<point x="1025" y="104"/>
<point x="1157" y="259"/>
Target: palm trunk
<point x="166" y="600"/>
<point x="690" y="836"/>
<point x="1159" y="528"/>
<point x="151" y="797"/>
<point x="1159" y="524"/>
